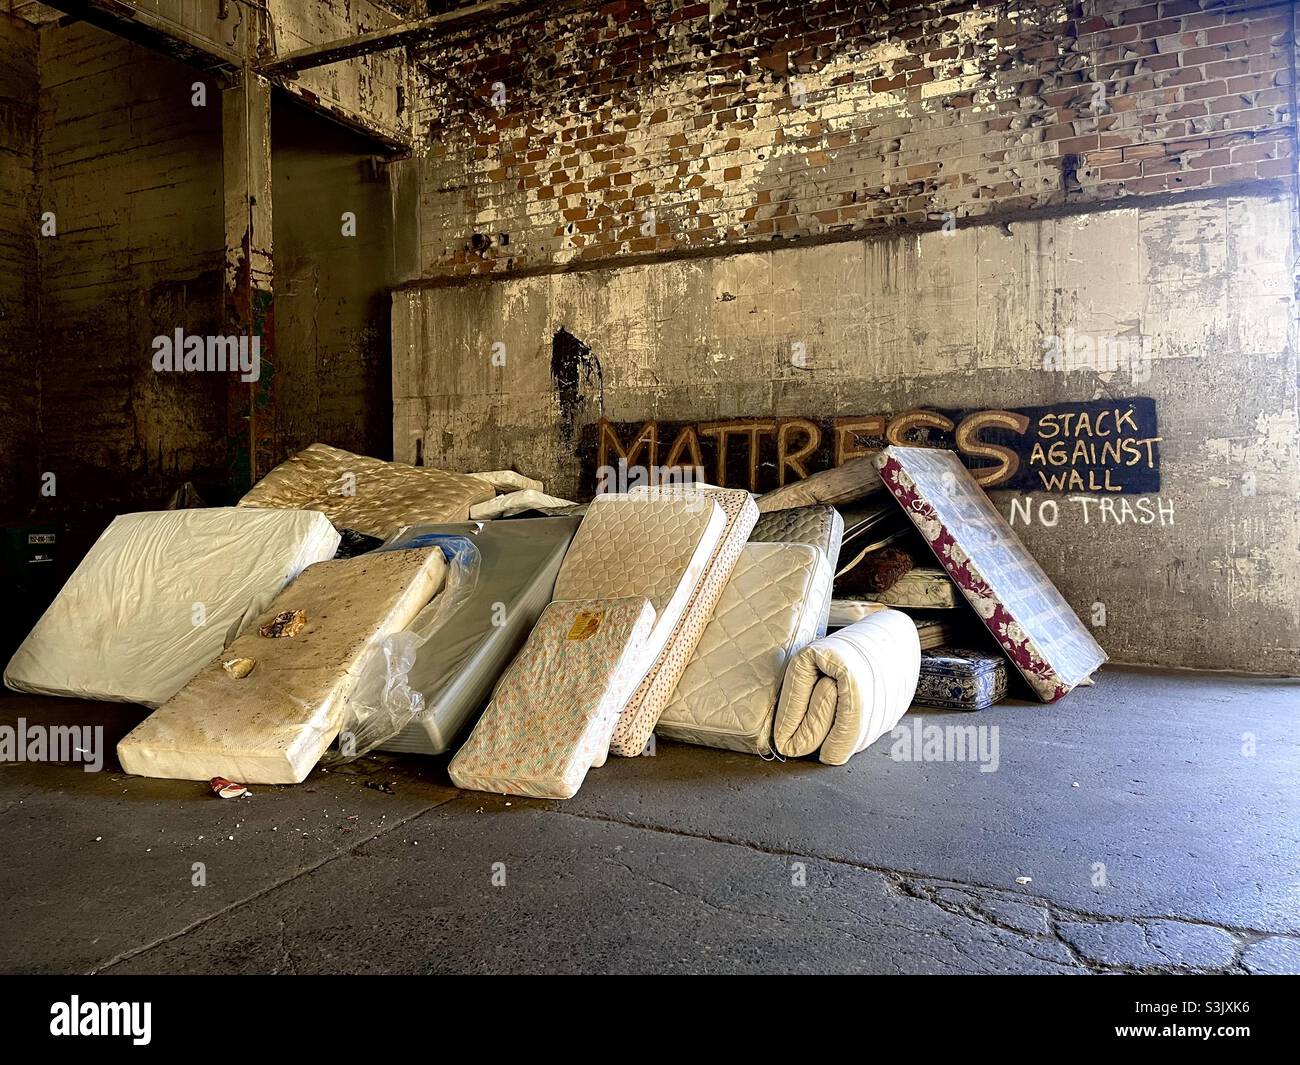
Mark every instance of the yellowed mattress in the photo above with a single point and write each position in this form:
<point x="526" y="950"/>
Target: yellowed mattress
<point x="637" y="722"/>
<point x="272" y="725"/>
<point x="550" y="718"/>
<point x="369" y="495"/>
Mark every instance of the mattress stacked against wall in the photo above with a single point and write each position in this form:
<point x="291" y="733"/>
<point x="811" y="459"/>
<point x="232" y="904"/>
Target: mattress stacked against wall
<point x="159" y="596"/>
<point x="631" y="600"/>
<point x="347" y="600"/>
<point x="774" y="603"/>
<point x="770" y="625"/>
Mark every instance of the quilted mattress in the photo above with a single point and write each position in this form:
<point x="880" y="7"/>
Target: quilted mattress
<point x="842" y="692"/>
<point x="455" y="671"/>
<point x="1015" y="599"/>
<point x="268" y="707"/>
<point x="550" y="718"/>
<point x="642" y="547"/>
<point x="158" y="596"/>
<point x="959" y="678"/>
<point x="846" y="611"/>
<point x="769" y="609"/>
<point x="365" y="494"/>
<point x="637" y="722"/>
<point x="820" y="526"/>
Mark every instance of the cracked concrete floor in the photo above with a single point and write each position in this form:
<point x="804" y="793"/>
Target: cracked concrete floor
<point x="1148" y="824"/>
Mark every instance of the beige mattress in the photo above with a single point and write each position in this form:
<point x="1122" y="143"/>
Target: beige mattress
<point x="551" y="715"/>
<point x="637" y="722"/>
<point x="158" y="597"/>
<point x="842" y="692"/>
<point x="769" y="609"/>
<point x="271" y="725"/>
<point x="368" y="495"/>
<point x="846" y="483"/>
<point x="655" y="549"/>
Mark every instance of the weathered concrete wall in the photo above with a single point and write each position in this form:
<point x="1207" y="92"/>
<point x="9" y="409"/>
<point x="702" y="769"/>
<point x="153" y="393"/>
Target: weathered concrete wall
<point x="19" y="395"/>
<point x="333" y="275"/>
<point x="944" y="320"/>
<point x="631" y="127"/>
<point x="372" y="87"/>
<point x="131" y="170"/>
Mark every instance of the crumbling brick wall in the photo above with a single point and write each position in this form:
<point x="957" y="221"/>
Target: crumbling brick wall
<point x="594" y="131"/>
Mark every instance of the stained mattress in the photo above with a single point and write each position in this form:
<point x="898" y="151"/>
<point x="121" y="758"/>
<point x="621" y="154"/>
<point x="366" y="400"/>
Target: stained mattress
<point x="270" y="725"/>
<point x="366" y="494"/>
<point x="158" y="596"/>
<point x="770" y="608"/>
<point x="455" y="672"/>
<point x="637" y="721"/>
<point x="551" y="716"/>
<point x="842" y="692"/>
<point x="1015" y="599"/>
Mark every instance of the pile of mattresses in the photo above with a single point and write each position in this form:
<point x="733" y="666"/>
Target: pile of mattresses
<point x="631" y="601"/>
<point x="518" y="562"/>
<point x="348" y="604"/>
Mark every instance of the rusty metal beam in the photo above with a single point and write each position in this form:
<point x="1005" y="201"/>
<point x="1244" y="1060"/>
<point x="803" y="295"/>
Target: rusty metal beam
<point x="420" y="31"/>
<point x="155" y="32"/>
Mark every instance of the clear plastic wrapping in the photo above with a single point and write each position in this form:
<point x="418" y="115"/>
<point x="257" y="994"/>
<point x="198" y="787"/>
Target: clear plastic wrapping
<point x="382" y="701"/>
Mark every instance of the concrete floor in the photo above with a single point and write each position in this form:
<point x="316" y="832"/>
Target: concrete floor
<point x="696" y="860"/>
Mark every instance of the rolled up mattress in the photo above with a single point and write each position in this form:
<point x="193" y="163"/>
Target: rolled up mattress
<point x="842" y="692"/>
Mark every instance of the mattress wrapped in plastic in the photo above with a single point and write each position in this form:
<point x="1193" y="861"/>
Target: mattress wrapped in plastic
<point x="1014" y="598"/>
<point x="369" y="495"/>
<point x="842" y="692"/>
<point x="268" y="707"/>
<point x="513" y="579"/>
<point x="770" y="608"/>
<point x="159" y="595"/>
<point x="637" y="722"/>
<point x="550" y="718"/>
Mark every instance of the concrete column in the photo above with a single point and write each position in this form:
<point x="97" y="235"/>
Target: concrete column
<point x="246" y="177"/>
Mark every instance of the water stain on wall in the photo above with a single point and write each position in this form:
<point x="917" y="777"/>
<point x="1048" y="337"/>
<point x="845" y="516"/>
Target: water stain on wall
<point x="575" y="374"/>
